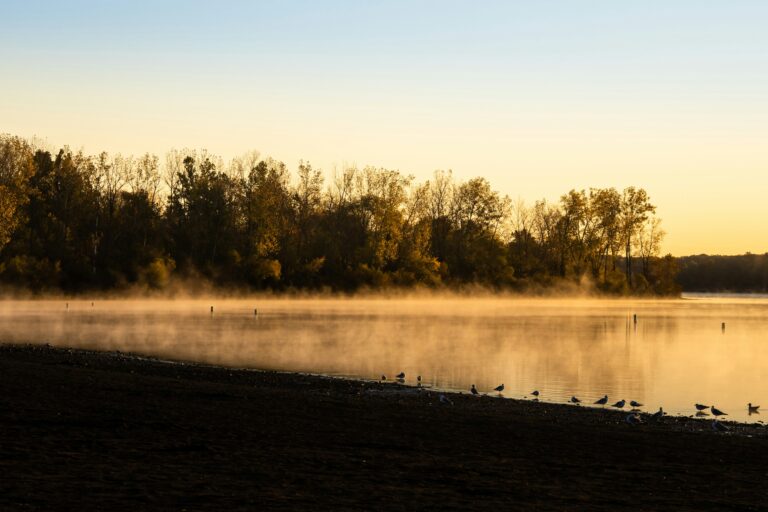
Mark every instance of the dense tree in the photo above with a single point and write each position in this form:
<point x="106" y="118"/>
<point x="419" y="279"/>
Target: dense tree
<point x="16" y="169"/>
<point x="75" y="221"/>
<point x="59" y="242"/>
<point x="635" y="208"/>
<point x="267" y="210"/>
<point x="202" y="213"/>
<point x="606" y="207"/>
<point x="714" y="273"/>
<point x="478" y="251"/>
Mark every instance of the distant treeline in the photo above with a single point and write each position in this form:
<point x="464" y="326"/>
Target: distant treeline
<point x="704" y="273"/>
<point x="73" y="222"/>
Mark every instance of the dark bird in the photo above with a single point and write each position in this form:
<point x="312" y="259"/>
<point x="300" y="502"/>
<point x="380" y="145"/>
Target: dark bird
<point x="602" y="401"/>
<point x="474" y="390"/>
<point x="657" y="415"/>
<point x="633" y="419"/>
<point x="400" y="375"/>
<point x="700" y="407"/>
<point x="719" y="427"/>
<point x="635" y="404"/>
<point x="753" y="409"/>
<point x="620" y="404"/>
<point x="383" y="377"/>
<point x="418" y="379"/>
<point x="535" y="393"/>
<point x="575" y="400"/>
<point x="717" y="412"/>
<point x="499" y="388"/>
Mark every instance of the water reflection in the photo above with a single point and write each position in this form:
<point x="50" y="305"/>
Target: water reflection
<point x="674" y="354"/>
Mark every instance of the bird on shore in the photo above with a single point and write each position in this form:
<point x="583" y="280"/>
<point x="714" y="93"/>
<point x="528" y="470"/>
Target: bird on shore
<point x="620" y="404"/>
<point x="418" y="380"/>
<point x="474" y="390"/>
<point x="383" y="378"/>
<point x="717" y="412"/>
<point x="753" y="409"/>
<point x="633" y="419"/>
<point x="602" y="401"/>
<point x="400" y="376"/>
<point x="635" y="404"/>
<point x="499" y="388"/>
<point x="445" y="400"/>
<point x="701" y="407"/>
<point x="719" y="427"/>
<point x="535" y="393"/>
<point x="575" y="400"/>
<point x="657" y="415"/>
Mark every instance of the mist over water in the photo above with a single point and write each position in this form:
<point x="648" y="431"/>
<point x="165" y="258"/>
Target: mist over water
<point x="675" y="355"/>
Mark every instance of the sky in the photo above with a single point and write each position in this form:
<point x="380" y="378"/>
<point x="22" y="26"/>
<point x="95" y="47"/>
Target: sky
<point x="537" y="97"/>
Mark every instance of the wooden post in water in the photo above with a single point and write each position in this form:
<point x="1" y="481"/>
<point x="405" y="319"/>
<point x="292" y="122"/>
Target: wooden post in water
<point x="635" y="317"/>
<point x="722" y="326"/>
<point x="255" y="312"/>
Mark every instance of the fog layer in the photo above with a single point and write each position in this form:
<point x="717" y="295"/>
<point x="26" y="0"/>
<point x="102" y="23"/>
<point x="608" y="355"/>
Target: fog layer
<point x="675" y="354"/>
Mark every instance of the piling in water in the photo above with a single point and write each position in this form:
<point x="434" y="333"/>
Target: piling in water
<point x="722" y="326"/>
<point x="211" y="310"/>
<point x="635" y="317"/>
<point x="255" y="312"/>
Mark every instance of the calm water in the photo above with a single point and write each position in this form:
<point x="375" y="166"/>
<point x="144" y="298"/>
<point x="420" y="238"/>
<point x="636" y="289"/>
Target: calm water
<point x="675" y="355"/>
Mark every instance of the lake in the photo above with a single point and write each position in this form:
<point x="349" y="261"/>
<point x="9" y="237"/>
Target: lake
<point x="674" y="355"/>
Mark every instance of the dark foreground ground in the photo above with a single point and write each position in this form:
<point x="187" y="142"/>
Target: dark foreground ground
<point x="95" y="431"/>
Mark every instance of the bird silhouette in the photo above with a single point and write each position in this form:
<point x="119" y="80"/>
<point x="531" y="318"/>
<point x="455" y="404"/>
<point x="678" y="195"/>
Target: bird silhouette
<point x="620" y="404"/>
<point x="701" y="407"/>
<point x="474" y="390"/>
<point x="400" y="375"/>
<point x="499" y="388"/>
<point x="635" y="404"/>
<point x="633" y="419"/>
<point x="753" y="409"/>
<point x="575" y="400"/>
<point x="717" y="412"/>
<point x="658" y="414"/>
<point x="535" y="393"/>
<point x="602" y="401"/>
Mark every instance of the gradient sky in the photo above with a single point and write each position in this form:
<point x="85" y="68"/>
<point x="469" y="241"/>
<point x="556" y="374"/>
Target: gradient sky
<point x="538" y="97"/>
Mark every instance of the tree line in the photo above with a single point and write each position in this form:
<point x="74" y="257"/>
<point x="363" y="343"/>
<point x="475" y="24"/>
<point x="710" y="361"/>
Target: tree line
<point x="745" y="273"/>
<point x="73" y="221"/>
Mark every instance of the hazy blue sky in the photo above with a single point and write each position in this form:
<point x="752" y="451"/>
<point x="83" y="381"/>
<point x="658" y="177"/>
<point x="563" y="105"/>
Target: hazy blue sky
<point x="539" y="97"/>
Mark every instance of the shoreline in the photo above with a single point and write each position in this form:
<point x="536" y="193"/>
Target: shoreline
<point x="123" y="431"/>
<point x="757" y="427"/>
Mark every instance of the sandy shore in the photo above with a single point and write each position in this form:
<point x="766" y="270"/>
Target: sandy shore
<point x="107" y="431"/>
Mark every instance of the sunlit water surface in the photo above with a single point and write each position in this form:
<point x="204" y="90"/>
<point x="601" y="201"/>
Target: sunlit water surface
<point x="676" y="354"/>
